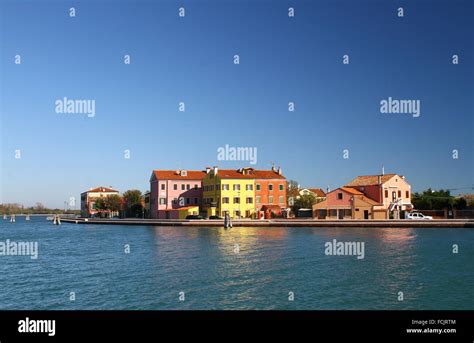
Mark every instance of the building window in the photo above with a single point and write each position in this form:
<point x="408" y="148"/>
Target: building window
<point x="386" y="193"/>
<point x="188" y="187"/>
<point x="236" y="200"/>
<point x="282" y="199"/>
<point x="257" y="186"/>
<point x="188" y="201"/>
<point x="281" y="187"/>
<point x="218" y="187"/>
<point x="249" y="200"/>
<point x="399" y="194"/>
<point x="407" y="194"/>
<point x="225" y="200"/>
<point x="175" y="187"/>
<point x="270" y="199"/>
<point x="247" y="214"/>
<point x="347" y="213"/>
<point x="332" y="213"/>
<point x="249" y="187"/>
<point x="237" y="214"/>
<point x="236" y="187"/>
<point x="339" y="196"/>
<point x="162" y="186"/>
<point x="270" y="187"/>
<point x="195" y="186"/>
<point x="183" y="187"/>
<point x="196" y="201"/>
<point x="162" y="201"/>
<point x="257" y="199"/>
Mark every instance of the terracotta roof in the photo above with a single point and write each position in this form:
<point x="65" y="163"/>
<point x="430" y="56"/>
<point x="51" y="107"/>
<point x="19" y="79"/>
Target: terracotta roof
<point x="370" y="201"/>
<point x="350" y="190"/>
<point x="101" y="189"/>
<point x="253" y="174"/>
<point x="318" y="191"/>
<point x="174" y="175"/>
<point x="369" y="180"/>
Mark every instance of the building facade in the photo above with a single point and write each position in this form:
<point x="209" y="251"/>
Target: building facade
<point x="318" y="193"/>
<point x="243" y="193"/>
<point x="89" y="198"/>
<point x="174" y="193"/>
<point x="367" y="197"/>
<point x="392" y="191"/>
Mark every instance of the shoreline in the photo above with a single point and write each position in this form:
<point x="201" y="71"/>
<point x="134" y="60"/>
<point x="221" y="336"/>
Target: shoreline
<point x="435" y="223"/>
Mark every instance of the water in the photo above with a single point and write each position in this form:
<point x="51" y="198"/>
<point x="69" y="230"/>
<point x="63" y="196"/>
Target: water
<point x="201" y="262"/>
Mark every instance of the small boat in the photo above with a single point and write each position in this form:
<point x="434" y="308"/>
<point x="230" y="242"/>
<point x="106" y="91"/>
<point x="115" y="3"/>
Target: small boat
<point x="12" y="218"/>
<point x="4" y="217"/>
<point x="27" y="217"/>
<point x="49" y="218"/>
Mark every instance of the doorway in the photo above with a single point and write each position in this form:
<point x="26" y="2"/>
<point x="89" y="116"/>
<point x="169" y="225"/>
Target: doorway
<point x="366" y="214"/>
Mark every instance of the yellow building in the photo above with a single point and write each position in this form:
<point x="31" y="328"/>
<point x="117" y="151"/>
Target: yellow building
<point x="229" y="191"/>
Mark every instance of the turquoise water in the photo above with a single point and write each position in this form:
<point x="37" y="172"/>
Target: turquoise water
<point x="90" y="260"/>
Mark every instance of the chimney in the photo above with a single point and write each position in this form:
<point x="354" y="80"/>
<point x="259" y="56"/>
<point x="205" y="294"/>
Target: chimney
<point x="273" y="167"/>
<point x="208" y="169"/>
<point x="379" y="179"/>
<point x="328" y="189"/>
<point x="279" y="170"/>
<point x="215" y="170"/>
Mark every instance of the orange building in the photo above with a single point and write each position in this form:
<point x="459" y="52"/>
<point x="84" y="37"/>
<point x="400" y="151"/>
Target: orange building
<point x="270" y="191"/>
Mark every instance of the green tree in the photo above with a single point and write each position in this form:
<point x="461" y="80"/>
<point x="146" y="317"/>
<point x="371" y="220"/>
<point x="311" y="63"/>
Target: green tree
<point x="114" y="202"/>
<point x="292" y="192"/>
<point x="304" y="201"/>
<point x="100" y="205"/>
<point x="433" y="200"/>
<point x="132" y="200"/>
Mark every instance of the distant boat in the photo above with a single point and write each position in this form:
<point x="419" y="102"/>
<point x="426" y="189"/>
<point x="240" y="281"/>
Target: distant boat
<point x="27" y="217"/>
<point x="4" y="217"/>
<point x="12" y="218"/>
<point x="49" y="218"/>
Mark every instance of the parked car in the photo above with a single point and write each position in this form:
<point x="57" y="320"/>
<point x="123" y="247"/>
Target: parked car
<point x="194" y="217"/>
<point x="215" y="217"/>
<point x="418" y="216"/>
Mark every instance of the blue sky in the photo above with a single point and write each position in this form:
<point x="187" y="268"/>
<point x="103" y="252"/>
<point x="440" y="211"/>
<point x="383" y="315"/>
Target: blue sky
<point x="190" y="59"/>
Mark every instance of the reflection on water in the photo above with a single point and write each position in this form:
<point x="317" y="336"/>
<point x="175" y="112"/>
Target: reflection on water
<point x="240" y="268"/>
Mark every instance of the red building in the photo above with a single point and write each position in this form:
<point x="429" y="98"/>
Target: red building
<point x="270" y="191"/>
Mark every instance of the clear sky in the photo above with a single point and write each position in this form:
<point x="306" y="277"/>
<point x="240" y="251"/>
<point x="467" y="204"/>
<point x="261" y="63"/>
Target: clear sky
<point x="190" y="59"/>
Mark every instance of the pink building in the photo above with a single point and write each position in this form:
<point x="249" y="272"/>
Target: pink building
<point x="175" y="191"/>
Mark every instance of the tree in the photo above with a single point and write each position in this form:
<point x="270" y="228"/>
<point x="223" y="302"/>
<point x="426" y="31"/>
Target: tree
<point x="39" y="207"/>
<point x="100" y="205"/>
<point x="132" y="200"/>
<point x="433" y="200"/>
<point x="304" y="201"/>
<point x="292" y="192"/>
<point x="114" y="202"/>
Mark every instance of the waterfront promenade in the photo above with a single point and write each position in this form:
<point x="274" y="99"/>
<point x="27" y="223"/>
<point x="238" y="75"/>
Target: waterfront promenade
<point x="441" y="223"/>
